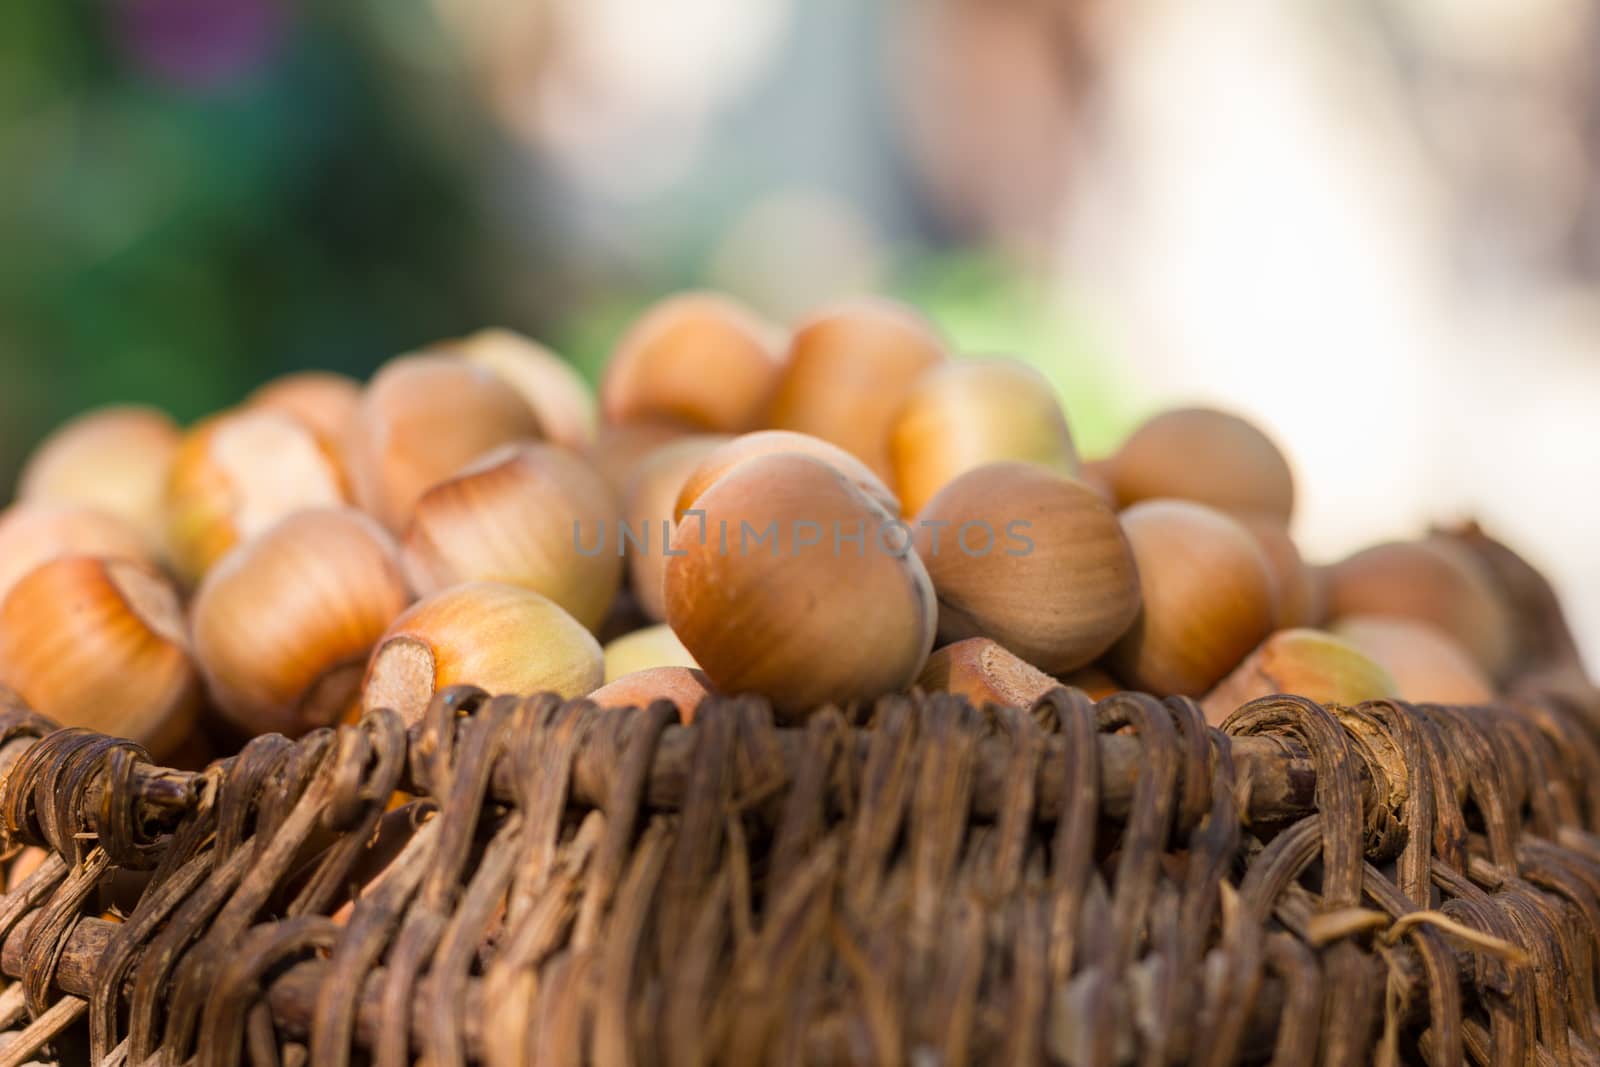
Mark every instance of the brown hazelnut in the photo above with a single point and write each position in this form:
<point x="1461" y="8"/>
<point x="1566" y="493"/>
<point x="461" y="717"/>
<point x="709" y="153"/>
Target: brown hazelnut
<point x="237" y="474"/>
<point x="1208" y="456"/>
<point x="850" y="368"/>
<point x="617" y="451"/>
<point x="963" y="415"/>
<point x="1031" y="558"/>
<point x="643" y="650"/>
<point x="322" y="400"/>
<point x="792" y="610"/>
<point x="683" y="687"/>
<point x="421" y="419"/>
<point x="695" y="358"/>
<point x="501" y="638"/>
<point x="985" y="673"/>
<point x="1428" y="666"/>
<point x="1095" y="682"/>
<point x="283" y="623"/>
<point x="100" y="643"/>
<point x="526" y="514"/>
<point x="1430" y="581"/>
<point x="770" y="442"/>
<point x="112" y="459"/>
<point x="1302" y="593"/>
<point x="647" y="511"/>
<point x="1208" y="593"/>
<point x="35" y="533"/>
<point x="1305" y="663"/>
<point x="557" y="393"/>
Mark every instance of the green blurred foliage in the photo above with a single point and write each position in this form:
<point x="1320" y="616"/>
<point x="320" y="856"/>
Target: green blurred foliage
<point x="178" y="245"/>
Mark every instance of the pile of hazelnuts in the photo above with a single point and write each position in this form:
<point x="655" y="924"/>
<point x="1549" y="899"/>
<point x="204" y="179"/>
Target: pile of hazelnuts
<point x="818" y="515"/>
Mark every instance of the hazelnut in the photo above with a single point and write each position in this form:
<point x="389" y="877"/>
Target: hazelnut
<point x="421" y="419"/>
<point x="1096" y="474"/>
<point x="1430" y="581"/>
<point x="530" y="515"/>
<point x="642" y="650"/>
<point x="985" y="673"/>
<point x="963" y="415"/>
<point x="850" y="368"/>
<point x="801" y="616"/>
<point x="683" y="687"/>
<point x="1095" y="682"/>
<point x="1302" y="593"/>
<point x="1208" y="456"/>
<point x="768" y="442"/>
<point x="617" y="451"/>
<point x="501" y="638"/>
<point x="24" y="863"/>
<point x="695" y="358"/>
<point x="35" y="533"/>
<point x="237" y="474"/>
<point x="100" y="643"/>
<point x="322" y="400"/>
<point x="557" y="393"/>
<point x="1428" y="666"/>
<point x="112" y="459"/>
<point x="1031" y="558"/>
<point x="648" y="511"/>
<point x="1305" y="663"/>
<point x="1208" y="598"/>
<point x="283" y="624"/>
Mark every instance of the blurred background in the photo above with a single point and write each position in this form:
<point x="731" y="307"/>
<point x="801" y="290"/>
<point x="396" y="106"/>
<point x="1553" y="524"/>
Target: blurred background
<point x="1373" y="227"/>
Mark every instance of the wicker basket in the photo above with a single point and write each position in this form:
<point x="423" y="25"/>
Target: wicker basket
<point x="918" y="882"/>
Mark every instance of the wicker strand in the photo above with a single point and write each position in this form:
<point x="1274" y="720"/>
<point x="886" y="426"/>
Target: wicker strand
<point x="1084" y="883"/>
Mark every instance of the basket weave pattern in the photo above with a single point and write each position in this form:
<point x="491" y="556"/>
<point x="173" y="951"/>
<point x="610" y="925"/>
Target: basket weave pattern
<point x="1083" y="883"/>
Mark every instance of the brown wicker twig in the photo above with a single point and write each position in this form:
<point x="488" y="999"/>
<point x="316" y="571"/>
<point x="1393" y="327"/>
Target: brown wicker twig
<point x="1078" y="884"/>
<point x="1278" y="781"/>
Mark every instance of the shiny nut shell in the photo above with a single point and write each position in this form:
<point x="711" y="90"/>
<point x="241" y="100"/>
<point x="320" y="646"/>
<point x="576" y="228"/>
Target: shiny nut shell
<point x="1031" y="558"/>
<point x="802" y="624"/>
